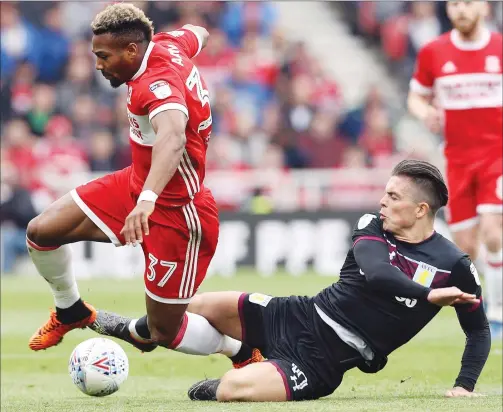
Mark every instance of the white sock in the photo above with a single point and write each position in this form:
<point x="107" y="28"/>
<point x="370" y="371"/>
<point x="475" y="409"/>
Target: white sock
<point x="493" y="292"/>
<point x="198" y="337"/>
<point x="54" y="265"/>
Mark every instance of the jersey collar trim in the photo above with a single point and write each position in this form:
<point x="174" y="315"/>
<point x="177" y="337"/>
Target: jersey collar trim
<point x="144" y="62"/>
<point x="470" y="45"/>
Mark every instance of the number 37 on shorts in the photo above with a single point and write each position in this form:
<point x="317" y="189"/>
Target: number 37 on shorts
<point x="177" y="258"/>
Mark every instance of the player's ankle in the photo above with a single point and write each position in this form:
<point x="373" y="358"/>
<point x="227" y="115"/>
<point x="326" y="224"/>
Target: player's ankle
<point x="78" y="311"/>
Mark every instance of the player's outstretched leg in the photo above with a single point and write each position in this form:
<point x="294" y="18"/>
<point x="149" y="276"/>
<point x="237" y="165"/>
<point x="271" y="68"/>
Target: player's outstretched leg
<point x="260" y="382"/>
<point x="171" y="326"/>
<point x="124" y="328"/>
<point x="47" y="240"/>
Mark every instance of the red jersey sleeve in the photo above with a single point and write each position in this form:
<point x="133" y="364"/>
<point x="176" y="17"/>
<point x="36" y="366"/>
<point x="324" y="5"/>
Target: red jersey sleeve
<point x="161" y="92"/>
<point x="185" y="38"/>
<point x="423" y="79"/>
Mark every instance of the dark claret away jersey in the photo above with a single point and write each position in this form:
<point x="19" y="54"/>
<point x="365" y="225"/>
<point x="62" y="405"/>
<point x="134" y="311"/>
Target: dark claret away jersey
<point x="383" y="320"/>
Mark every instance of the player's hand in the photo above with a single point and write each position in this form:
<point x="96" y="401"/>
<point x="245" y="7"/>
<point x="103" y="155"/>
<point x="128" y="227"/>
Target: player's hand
<point x="137" y="223"/>
<point x="458" y="392"/>
<point x="434" y="119"/>
<point x="450" y="296"/>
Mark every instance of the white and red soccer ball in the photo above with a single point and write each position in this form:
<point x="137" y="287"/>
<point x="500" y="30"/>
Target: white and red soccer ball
<point x="98" y="366"/>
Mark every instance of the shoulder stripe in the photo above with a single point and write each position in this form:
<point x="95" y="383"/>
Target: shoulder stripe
<point x="375" y="238"/>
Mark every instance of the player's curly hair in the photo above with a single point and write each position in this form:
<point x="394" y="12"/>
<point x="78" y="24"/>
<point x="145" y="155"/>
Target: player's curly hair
<point x="126" y="21"/>
<point x="427" y="178"/>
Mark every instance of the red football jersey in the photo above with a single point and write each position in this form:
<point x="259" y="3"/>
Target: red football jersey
<point x="466" y="81"/>
<point x="168" y="80"/>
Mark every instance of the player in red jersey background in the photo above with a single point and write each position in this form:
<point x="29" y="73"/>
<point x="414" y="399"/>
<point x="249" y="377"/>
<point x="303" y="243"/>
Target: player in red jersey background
<point x="457" y="89"/>
<point x="159" y="201"/>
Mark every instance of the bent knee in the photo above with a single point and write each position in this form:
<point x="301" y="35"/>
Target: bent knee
<point x="37" y="231"/>
<point x="196" y="304"/>
<point x="234" y="387"/>
<point x="200" y="304"/>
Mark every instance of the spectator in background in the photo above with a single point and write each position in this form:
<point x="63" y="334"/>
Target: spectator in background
<point x="17" y="149"/>
<point x="205" y="13"/>
<point x="252" y="94"/>
<point x="296" y="60"/>
<point x="298" y="112"/>
<point x="19" y="90"/>
<point x="299" y="109"/>
<point x="43" y="107"/>
<point x="162" y="13"/>
<point x="352" y="123"/>
<point x="423" y="27"/>
<point x="59" y="157"/>
<point x="77" y="15"/>
<point x="272" y="122"/>
<point x="16" y="210"/>
<point x="249" y="143"/>
<point x="20" y="41"/>
<point x="55" y="46"/>
<point x="85" y="116"/>
<point x="321" y="145"/>
<point x="222" y="109"/>
<point x="325" y="93"/>
<point x="102" y="153"/>
<point x="263" y="63"/>
<point x="241" y="17"/>
<point x="78" y="81"/>
<point x="377" y="137"/>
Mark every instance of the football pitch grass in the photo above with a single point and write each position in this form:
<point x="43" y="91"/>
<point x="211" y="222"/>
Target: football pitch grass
<point x="415" y="379"/>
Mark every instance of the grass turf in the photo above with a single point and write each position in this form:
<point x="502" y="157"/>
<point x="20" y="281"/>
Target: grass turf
<point x="38" y="381"/>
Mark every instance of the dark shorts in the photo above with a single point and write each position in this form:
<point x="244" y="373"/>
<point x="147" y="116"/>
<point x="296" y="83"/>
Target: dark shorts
<point x="307" y="353"/>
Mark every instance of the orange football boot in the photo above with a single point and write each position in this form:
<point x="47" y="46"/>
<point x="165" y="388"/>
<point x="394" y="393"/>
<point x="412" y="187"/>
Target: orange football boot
<point x="53" y="331"/>
<point x="255" y="358"/>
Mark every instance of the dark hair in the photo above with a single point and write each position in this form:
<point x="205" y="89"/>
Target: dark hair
<point x="124" y="21"/>
<point x="427" y="178"/>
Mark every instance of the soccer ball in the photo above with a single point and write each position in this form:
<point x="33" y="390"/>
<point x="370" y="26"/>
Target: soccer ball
<point x="98" y="366"/>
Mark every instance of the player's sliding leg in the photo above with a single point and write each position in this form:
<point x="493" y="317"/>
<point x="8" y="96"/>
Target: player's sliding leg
<point x="221" y="306"/>
<point x="136" y="333"/>
<point x="171" y="326"/>
<point x="48" y="236"/>
<point x="491" y="236"/>
<point x="260" y="382"/>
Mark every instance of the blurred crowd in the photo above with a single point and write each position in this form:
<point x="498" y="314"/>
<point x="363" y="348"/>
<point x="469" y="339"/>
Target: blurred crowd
<point x="274" y="106"/>
<point x="401" y="28"/>
<point x="268" y="94"/>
